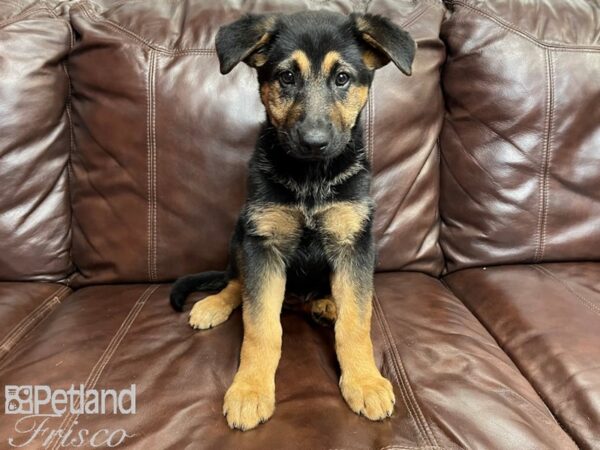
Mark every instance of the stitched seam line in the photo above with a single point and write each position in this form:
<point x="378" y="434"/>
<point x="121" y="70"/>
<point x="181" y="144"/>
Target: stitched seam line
<point x="370" y="123"/>
<point x="122" y="30"/>
<point x="93" y="16"/>
<point x="154" y="175"/>
<point x="400" y="375"/>
<point x="415" y="15"/>
<point x="151" y="163"/>
<point x="590" y="305"/>
<point x="68" y="108"/>
<point x="96" y="372"/>
<point x="513" y="29"/>
<point x="545" y="165"/>
<point x="431" y="437"/>
<point x="405" y="447"/>
<point x="22" y="15"/>
<point x="25" y="324"/>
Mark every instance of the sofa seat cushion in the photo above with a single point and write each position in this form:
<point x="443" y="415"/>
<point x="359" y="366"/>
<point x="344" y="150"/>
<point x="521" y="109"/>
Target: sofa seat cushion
<point x="23" y="306"/>
<point x="546" y="318"/>
<point x="454" y="386"/>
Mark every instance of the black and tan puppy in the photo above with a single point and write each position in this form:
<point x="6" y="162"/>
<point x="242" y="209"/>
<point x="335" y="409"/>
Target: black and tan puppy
<point x="306" y="224"/>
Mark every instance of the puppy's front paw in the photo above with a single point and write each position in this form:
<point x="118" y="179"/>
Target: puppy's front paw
<point x="371" y="396"/>
<point x="248" y="405"/>
<point x="210" y="312"/>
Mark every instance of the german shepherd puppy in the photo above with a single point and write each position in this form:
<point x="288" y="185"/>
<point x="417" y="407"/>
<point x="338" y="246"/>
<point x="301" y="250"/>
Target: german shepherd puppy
<point x="306" y="224"/>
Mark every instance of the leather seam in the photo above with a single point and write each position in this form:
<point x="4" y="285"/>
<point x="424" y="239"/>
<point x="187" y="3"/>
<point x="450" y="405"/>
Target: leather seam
<point x="401" y="375"/>
<point x="407" y="447"/>
<point x="27" y="324"/>
<point x="151" y="166"/>
<point x="68" y="109"/>
<point x="516" y="30"/>
<point x="544" y="171"/>
<point x="98" y="368"/>
<point x="395" y="372"/>
<point x="370" y="123"/>
<point x="23" y="15"/>
<point x="132" y="35"/>
<point x="587" y="303"/>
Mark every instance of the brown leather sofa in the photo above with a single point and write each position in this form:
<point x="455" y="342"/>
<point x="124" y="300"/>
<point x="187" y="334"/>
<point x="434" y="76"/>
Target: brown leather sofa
<point x="122" y="166"/>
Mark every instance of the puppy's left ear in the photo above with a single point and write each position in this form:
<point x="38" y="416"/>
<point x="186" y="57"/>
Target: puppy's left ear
<point x="387" y="42"/>
<point x="245" y="40"/>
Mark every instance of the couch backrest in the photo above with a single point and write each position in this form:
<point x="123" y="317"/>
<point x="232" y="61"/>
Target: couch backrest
<point x="162" y="139"/>
<point x="35" y="216"/>
<point x="520" y="172"/>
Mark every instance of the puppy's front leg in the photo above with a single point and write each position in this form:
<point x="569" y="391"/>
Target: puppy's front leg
<point x="365" y="390"/>
<point x="351" y="250"/>
<point x="250" y="399"/>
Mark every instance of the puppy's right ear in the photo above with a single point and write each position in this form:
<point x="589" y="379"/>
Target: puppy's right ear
<point x="245" y="40"/>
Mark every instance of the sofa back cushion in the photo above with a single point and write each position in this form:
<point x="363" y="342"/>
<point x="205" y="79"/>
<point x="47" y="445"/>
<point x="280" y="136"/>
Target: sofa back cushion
<point x="34" y="143"/>
<point x="520" y="177"/>
<point x="163" y="139"/>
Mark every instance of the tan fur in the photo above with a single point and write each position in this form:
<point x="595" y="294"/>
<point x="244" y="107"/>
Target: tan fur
<point x="280" y="225"/>
<point x="281" y="111"/>
<point x="303" y="62"/>
<point x="372" y="60"/>
<point x="323" y="310"/>
<point x="344" y="113"/>
<point x="216" y="309"/>
<point x="257" y="59"/>
<point x="250" y="399"/>
<point x="328" y="62"/>
<point x="277" y="107"/>
<point x="343" y="220"/>
<point x="362" y="386"/>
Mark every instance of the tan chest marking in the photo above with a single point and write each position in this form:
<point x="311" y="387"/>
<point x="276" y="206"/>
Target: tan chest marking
<point x="278" y="224"/>
<point x="344" y="220"/>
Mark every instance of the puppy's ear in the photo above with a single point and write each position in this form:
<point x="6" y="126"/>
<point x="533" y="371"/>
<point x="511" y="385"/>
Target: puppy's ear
<point x="386" y="40"/>
<point x="244" y="40"/>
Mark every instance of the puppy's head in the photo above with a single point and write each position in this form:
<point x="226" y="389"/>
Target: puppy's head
<point x="314" y="71"/>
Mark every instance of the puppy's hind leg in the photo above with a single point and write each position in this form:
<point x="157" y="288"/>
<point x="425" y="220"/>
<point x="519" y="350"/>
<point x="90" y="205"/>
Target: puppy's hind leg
<point x="216" y="309"/>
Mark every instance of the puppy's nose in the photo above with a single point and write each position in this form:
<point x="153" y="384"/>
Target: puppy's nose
<point x="315" y="139"/>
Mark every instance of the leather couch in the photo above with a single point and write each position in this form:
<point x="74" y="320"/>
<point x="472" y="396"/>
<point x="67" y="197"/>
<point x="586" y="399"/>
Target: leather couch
<point x="122" y="166"/>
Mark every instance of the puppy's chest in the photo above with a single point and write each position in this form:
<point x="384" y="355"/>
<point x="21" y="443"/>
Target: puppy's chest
<point x="340" y="221"/>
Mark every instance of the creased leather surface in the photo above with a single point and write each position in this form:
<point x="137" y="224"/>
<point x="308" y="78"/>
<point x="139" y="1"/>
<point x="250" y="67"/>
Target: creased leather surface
<point x="546" y="317"/>
<point x="520" y="162"/>
<point x="23" y="306"/>
<point x="34" y="144"/>
<point x="163" y="141"/>
<point x="454" y="387"/>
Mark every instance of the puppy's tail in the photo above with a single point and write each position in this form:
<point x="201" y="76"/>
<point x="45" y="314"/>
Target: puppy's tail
<point x="205" y="281"/>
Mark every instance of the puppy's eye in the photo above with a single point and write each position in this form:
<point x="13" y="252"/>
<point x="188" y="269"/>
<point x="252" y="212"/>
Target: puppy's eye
<point x="287" y="77"/>
<point x="342" y="78"/>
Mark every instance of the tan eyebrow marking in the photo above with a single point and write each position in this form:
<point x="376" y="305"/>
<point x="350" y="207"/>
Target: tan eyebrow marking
<point x="329" y="61"/>
<point x="303" y="63"/>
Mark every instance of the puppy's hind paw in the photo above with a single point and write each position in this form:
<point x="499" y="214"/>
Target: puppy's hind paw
<point x="323" y="311"/>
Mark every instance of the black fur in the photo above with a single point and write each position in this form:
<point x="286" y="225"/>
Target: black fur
<point x="205" y="281"/>
<point x="281" y="172"/>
